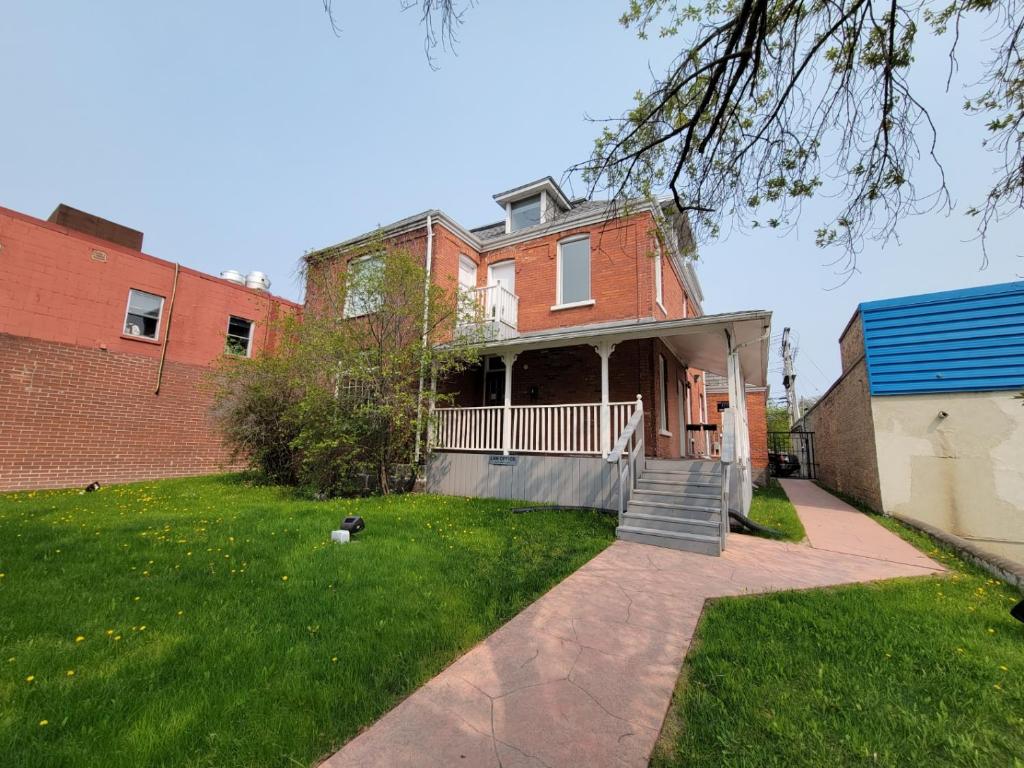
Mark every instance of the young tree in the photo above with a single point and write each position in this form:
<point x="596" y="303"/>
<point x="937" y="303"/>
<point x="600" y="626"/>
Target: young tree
<point x="344" y="387"/>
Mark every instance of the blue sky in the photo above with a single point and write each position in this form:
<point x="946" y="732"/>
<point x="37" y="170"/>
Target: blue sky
<point x="241" y="134"/>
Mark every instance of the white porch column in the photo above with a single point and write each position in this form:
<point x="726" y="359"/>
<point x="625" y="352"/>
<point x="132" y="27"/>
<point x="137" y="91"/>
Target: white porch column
<point x="604" y="349"/>
<point x="508" y="359"/>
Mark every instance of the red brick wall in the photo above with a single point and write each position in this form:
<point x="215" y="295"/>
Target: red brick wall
<point x="73" y="415"/>
<point x="54" y="287"/>
<point x="757" y="426"/>
<point x="76" y="395"/>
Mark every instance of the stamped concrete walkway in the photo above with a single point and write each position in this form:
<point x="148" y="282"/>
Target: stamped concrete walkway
<point x="584" y="676"/>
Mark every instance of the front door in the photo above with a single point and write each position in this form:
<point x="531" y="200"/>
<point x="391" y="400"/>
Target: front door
<point x="504" y="274"/>
<point x="494" y="381"/>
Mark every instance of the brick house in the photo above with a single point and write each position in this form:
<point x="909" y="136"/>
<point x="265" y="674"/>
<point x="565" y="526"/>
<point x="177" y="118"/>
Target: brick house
<point x="592" y="373"/>
<point x="105" y="352"/>
<point x="923" y="422"/>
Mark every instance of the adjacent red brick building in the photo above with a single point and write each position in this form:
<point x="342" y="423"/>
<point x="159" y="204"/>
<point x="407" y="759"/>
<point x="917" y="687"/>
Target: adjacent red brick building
<point x="105" y="353"/>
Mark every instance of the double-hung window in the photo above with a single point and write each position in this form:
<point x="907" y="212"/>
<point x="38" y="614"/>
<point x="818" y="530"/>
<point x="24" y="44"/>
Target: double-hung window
<point x="239" y="338"/>
<point x="574" y="271"/>
<point x="142" y="318"/>
<point x="362" y="296"/>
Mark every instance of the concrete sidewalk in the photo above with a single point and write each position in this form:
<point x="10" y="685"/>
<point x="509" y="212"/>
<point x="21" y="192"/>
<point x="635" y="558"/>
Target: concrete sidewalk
<point x="584" y="676"/>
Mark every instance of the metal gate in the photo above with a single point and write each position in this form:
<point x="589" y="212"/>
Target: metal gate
<point x="791" y="454"/>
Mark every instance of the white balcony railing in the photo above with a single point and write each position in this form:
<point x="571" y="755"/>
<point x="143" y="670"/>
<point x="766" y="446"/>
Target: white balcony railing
<point x="498" y="308"/>
<point x="572" y="428"/>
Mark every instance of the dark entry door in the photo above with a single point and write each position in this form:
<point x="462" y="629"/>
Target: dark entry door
<point x="494" y="381"/>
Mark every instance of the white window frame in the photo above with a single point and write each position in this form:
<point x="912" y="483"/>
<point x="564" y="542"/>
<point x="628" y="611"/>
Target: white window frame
<point x="659" y="283"/>
<point x="558" y="277"/>
<point x="465" y="261"/>
<point x="541" y="205"/>
<point x="159" y="317"/>
<point x="663" y="391"/>
<point x="252" y="334"/>
<point x="347" y="311"/>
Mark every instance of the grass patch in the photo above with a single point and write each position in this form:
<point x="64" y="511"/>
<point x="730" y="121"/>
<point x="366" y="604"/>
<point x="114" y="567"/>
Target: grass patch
<point x="926" y="671"/>
<point x="206" y="622"/>
<point x="771" y="507"/>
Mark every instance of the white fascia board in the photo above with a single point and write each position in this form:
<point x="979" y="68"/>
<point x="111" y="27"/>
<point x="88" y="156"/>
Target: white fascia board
<point x="547" y="184"/>
<point x="401" y="227"/>
<point x="419" y="221"/>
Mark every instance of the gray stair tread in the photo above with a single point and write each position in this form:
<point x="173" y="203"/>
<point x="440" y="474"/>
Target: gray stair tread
<point x="674" y="506"/>
<point x="682" y="493"/>
<point x="711" y="525"/>
<point x="669" y="534"/>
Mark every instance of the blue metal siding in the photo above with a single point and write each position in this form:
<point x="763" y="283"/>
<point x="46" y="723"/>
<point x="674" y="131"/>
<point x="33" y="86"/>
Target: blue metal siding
<point x="970" y="340"/>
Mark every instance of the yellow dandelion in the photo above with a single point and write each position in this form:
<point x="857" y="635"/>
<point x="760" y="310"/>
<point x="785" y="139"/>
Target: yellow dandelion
<point x="142" y="628"/>
<point x="117" y="637"/>
<point x="43" y="723"/>
<point x="70" y="673"/>
<point x="180" y="613"/>
<point x="334" y="658"/>
<point x="110" y="632"/>
<point x="30" y="678"/>
<point x="136" y="598"/>
<point x="80" y="638"/>
<point x="284" y="578"/>
<point x="1003" y="668"/>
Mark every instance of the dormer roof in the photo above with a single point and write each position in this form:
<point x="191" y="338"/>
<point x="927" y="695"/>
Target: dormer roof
<point x="547" y="184"/>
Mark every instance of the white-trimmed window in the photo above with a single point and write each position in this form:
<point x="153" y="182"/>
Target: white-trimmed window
<point x="239" y="336"/>
<point x="659" y="286"/>
<point x="467" y="273"/>
<point x="574" y="272"/>
<point x="357" y="301"/>
<point x="142" y="317"/>
<point x="663" y="388"/>
<point x="524" y="213"/>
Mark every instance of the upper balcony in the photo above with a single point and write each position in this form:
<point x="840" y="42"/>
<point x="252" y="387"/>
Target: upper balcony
<point x="498" y="308"/>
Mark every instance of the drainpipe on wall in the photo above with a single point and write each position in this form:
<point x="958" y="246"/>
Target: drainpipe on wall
<point x="426" y="320"/>
<point x="167" y="331"/>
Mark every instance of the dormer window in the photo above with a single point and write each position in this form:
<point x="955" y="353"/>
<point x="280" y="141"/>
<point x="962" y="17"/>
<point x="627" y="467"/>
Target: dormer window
<point x="538" y="202"/>
<point x="524" y="213"/>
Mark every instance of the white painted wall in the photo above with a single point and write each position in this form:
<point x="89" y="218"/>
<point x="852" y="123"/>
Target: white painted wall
<point x="963" y="473"/>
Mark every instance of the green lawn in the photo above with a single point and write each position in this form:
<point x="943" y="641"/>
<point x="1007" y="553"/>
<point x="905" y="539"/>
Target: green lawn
<point x="204" y="622"/>
<point x="925" y="672"/>
<point x="772" y="508"/>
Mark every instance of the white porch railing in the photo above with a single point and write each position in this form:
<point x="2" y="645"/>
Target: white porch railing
<point x="572" y="428"/>
<point x="628" y="452"/>
<point x="467" y="429"/>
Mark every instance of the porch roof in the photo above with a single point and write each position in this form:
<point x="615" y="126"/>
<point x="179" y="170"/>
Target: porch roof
<point x="700" y="342"/>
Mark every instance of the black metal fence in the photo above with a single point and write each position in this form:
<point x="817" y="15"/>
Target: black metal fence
<point x="791" y="454"/>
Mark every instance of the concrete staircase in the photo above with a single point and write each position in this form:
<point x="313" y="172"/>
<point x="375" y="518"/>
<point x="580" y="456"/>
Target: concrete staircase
<point x="678" y="504"/>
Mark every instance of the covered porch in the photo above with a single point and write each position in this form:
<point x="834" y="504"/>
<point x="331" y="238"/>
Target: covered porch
<point x="572" y="391"/>
<point x="573" y="436"/>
